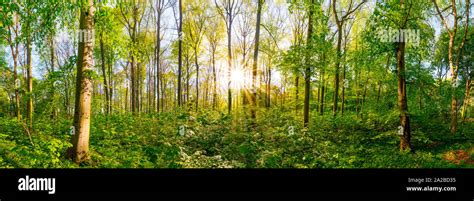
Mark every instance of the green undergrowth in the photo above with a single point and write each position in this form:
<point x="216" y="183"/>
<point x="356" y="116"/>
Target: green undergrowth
<point x="213" y="139"/>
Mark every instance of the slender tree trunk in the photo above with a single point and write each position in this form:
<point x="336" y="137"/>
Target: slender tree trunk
<point x="323" y="89"/>
<point x="364" y="94"/>
<point x="126" y="97"/>
<point x="52" y="92"/>
<point x="180" y="52"/>
<point x="187" y="81"/>
<point x="158" y="56"/>
<point x="84" y="88"/>
<point x="14" y="51"/>
<point x="307" y="76"/>
<point x="229" y="63"/>
<point x="111" y="84"/>
<point x="255" y="62"/>
<point x="268" y="87"/>
<point x="357" y="83"/>
<point x="29" y="108"/>
<point x="214" y="76"/>
<point x="197" y="77"/>
<point x="338" y="63"/>
<point x="106" y="84"/>
<point x="343" y="100"/>
<point x="297" y="84"/>
<point x="138" y="93"/>
<point x="420" y="88"/>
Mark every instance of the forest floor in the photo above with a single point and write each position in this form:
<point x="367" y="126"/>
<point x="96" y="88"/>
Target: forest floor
<point x="214" y="140"/>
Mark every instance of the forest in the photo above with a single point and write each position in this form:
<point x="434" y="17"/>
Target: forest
<point x="236" y="84"/>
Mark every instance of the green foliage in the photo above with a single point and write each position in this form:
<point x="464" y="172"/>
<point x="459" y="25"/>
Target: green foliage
<point x="210" y="141"/>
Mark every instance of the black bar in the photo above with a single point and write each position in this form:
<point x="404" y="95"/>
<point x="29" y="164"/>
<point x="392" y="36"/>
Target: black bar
<point x="352" y="183"/>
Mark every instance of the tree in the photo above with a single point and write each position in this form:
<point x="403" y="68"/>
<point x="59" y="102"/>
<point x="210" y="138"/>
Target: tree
<point x="214" y="36"/>
<point x="161" y="6"/>
<point x="307" y="72"/>
<point x="180" y="52"/>
<point x="340" y="23"/>
<point x="255" y="60"/>
<point x="84" y="88"/>
<point x="12" y="23"/>
<point x="195" y="30"/>
<point x="403" y="16"/>
<point x="454" y="55"/>
<point x="228" y="9"/>
<point x="245" y="29"/>
<point x="298" y="27"/>
<point x="29" y="33"/>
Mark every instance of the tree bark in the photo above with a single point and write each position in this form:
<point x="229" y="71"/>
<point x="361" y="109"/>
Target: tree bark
<point x="323" y="89"/>
<point x="307" y="76"/>
<point x="405" y="138"/>
<point x="106" y="84"/>
<point x="180" y="52"/>
<point x="229" y="63"/>
<point x="338" y="63"/>
<point x="84" y="88"/>
<point x="255" y="62"/>
<point x="29" y="107"/>
<point x="197" y="76"/>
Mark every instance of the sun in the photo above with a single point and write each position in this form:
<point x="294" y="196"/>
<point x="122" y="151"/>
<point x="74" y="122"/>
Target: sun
<point x="237" y="77"/>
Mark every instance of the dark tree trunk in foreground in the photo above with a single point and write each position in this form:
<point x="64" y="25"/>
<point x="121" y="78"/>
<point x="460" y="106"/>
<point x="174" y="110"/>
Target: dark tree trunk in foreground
<point x="307" y="75"/>
<point x="255" y="62"/>
<point x="82" y="117"/>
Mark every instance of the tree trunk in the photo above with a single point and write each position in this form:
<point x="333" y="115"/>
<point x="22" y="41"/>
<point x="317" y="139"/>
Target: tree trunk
<point x="229" y="63"/>
<point x="197" y="77"/>
<point x="338" y="63"/>
<point x="29" y="108"/>
<point x="158" y="58"/>
<point x="14" y="51"/>
<point x="111" y="84"/>
<point x="180" y="52"/>
<point x="255" y="62"/>
<point x="467" y="98"/>
<point x="52" y="91"/>
<point x="297" y="84"/>
<point x="454" y="74"/>
<point x="214" y="76"/>
<point x="343" y="100"/>
<point x="106" y="84"/>
<point x="268" y="85"/>
<point x="84" y="88"/>
<point x="307" y="76"/>
<point x="187" y="81"/>
<point x="405" y="138"/>
<point x="323" y="89"/>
